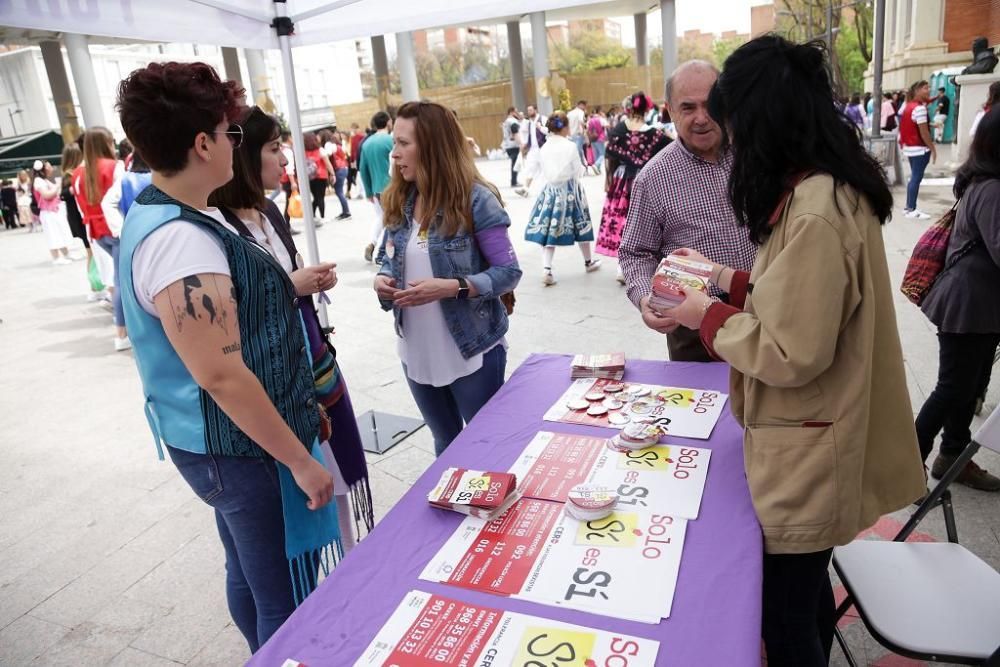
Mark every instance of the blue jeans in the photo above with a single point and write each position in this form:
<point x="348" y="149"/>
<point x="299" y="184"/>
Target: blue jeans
<point x="338" y="187"/>
<point x="246" y="495"/>
<point x="918" y="163"/>
<point x="579" y="140"/>
<point x="598" y="153"/>
<point x="447" y="409"/>
<point x="110" y="245"/>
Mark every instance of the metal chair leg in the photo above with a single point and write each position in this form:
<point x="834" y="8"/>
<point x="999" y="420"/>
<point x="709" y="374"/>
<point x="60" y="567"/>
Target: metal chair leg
<point x="949" y="517"/>
<point x="844" y="648"/>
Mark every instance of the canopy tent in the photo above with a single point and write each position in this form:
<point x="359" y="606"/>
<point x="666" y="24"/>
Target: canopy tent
<point x="20" y="152"/>
<point x="273" y="24"/>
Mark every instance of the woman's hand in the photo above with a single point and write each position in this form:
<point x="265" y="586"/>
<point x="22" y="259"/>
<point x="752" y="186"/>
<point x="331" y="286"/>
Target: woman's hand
<point x="385" y="287"/>
<point x="313" y="279"/>
<point x="692" y="310"/>
<point x="421" y="292"/>
<point x="695" y="256"/>
<point x="314" y="480"/>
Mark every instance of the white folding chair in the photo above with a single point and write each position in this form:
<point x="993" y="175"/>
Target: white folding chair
<point x="928" y="601"/>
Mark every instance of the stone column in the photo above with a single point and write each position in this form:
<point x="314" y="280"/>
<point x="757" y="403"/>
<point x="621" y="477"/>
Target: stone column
<point x="926" y="23"/>
<point x="641" y="45"/>
<point x="231" y="64"/>
<point x="668" y="21"/>
<point x="540" y="59"/>
<point x="380" y="61"/>
<point x="84" y="79"/>
<point x="62" y="94"/>
<point x="257" y="70"/>
<point x="407" y="64"/>
<point x="902" y="19"/>
<point x="516" y="56"/>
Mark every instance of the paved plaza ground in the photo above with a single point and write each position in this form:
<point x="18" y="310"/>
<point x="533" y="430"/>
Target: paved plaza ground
<point x="108" y="558"/>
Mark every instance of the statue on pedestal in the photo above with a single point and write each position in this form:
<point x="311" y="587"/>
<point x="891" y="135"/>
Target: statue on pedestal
<point x="983" y="58"/>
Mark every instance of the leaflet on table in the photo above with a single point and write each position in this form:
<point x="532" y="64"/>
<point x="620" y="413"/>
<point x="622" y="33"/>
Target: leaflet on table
<point x="686" y="413"/>
<point x="668" y="479"/>
<point x="429" y="630"/>
<point x="624" y="565"/>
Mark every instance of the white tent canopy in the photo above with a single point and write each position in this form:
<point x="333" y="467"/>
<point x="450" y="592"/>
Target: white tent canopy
<point x="251" y="24"/>
<point x="247" y="23"/>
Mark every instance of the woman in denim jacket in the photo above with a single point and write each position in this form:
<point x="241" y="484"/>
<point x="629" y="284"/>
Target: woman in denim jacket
<point x="448" y="260"/>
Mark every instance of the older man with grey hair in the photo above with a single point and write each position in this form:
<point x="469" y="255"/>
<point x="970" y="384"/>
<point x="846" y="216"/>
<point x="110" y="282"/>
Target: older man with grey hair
<point x="680" y="200"/>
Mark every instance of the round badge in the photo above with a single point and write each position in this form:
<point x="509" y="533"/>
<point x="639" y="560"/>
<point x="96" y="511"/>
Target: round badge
<point x="299" y="262"/>
<point x="613" y="387"/>
<point x="596" y="410"/>
<point x="592" y="497"/>
<point x="646" y="434"/>
<point x="578" y="404"/>
<point x="618" y="418"/>
<point x="613" y="404"/>
<point x="390" y="249"/>
<point x="641" y="407"/>
<point x="594" y="396"/>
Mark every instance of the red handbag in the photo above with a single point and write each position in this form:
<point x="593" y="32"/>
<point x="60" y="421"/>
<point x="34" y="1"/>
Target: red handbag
<point x="927" y="261"/>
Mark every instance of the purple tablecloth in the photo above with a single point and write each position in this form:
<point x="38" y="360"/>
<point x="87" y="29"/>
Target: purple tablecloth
<point x="716" y="612"/>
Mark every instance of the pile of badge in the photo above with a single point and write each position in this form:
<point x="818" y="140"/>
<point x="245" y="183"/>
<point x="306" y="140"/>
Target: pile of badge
<point x="619" y="403"/>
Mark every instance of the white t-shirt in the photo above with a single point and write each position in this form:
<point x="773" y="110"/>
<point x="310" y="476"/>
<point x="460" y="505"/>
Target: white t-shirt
<point x="426" y="346"/>
<point x="577" y="119"/>
<point x="176" y="250"/>
<point x="919" y="117"/>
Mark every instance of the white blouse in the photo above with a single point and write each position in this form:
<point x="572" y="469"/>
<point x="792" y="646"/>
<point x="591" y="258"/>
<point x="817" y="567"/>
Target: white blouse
<point x="560" y="160"/>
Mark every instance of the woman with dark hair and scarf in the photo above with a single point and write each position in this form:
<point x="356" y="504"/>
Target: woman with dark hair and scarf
<point x="810" y="333"/>
<point x="257" y="167"/>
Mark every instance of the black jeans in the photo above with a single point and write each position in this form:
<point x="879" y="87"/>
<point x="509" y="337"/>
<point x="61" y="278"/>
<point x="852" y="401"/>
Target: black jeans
<point x="799" y="609"/>
<point x="286" y="187"/>
<point x="964" y="365"/>
<point x="317" y="186"/>
<point x="512" y="153"/>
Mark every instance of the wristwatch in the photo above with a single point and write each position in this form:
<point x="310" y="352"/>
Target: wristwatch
<point x="463" y="288"/>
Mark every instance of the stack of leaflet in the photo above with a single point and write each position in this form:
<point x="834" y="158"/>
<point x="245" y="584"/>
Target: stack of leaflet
<point x="607" y="366"/>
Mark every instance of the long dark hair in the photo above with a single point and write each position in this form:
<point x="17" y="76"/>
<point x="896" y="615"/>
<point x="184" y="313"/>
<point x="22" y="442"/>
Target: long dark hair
<point x="984" y="155"/>
<point x="246" y="189"/>
<point x="777" y="134"/>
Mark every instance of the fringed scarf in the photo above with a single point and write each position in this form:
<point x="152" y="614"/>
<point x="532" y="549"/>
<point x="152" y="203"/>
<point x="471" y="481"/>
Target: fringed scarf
<point x="337" y="421"/>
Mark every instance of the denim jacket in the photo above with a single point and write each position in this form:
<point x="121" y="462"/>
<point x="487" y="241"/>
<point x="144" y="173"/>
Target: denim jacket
<point x="476" y="323"/>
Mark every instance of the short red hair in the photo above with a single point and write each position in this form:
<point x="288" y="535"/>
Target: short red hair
<point x="164" y="106"/>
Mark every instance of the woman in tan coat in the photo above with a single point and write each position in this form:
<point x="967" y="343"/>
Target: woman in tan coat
<point x="810" y="333"/>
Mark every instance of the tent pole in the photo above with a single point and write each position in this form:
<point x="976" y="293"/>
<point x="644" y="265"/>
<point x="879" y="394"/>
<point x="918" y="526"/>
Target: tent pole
<point x="284" y="27"/>
<point x="878" y="49"/>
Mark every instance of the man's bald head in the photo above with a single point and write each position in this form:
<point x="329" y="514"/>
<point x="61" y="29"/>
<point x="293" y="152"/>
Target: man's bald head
<point x="687" y="92"/>
<point x="691" y="69"/>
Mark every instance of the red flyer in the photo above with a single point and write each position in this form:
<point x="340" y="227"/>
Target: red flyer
<point x="499" y="558"/>
<point x="565" y="462"/>
<point x="428" y="630"/>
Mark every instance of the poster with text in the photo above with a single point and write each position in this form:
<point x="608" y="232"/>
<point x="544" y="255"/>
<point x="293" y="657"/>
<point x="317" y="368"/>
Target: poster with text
<point x="685" y="413"/>
<point x="429" y="630"/>
<point x="665" y="478"/>
<point x="624" y="565"/>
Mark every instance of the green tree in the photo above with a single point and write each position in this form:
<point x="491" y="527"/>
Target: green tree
<point x="722" y="49"/>
<point x="590" y="50"/>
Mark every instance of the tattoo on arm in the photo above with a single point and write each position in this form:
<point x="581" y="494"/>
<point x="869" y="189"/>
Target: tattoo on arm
<point x="198" y="304"/>
<point x="229" y="349"/>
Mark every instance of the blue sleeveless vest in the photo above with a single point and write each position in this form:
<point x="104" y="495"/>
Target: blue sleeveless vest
<point x="181" y="413"/>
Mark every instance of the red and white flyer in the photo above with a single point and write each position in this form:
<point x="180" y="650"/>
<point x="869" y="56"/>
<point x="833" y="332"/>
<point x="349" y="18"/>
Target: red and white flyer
<point x="665" y="478"/>
<point x="685" y="413"/>
<point x="429" y="630"/>
<point x="624" y="565"/>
